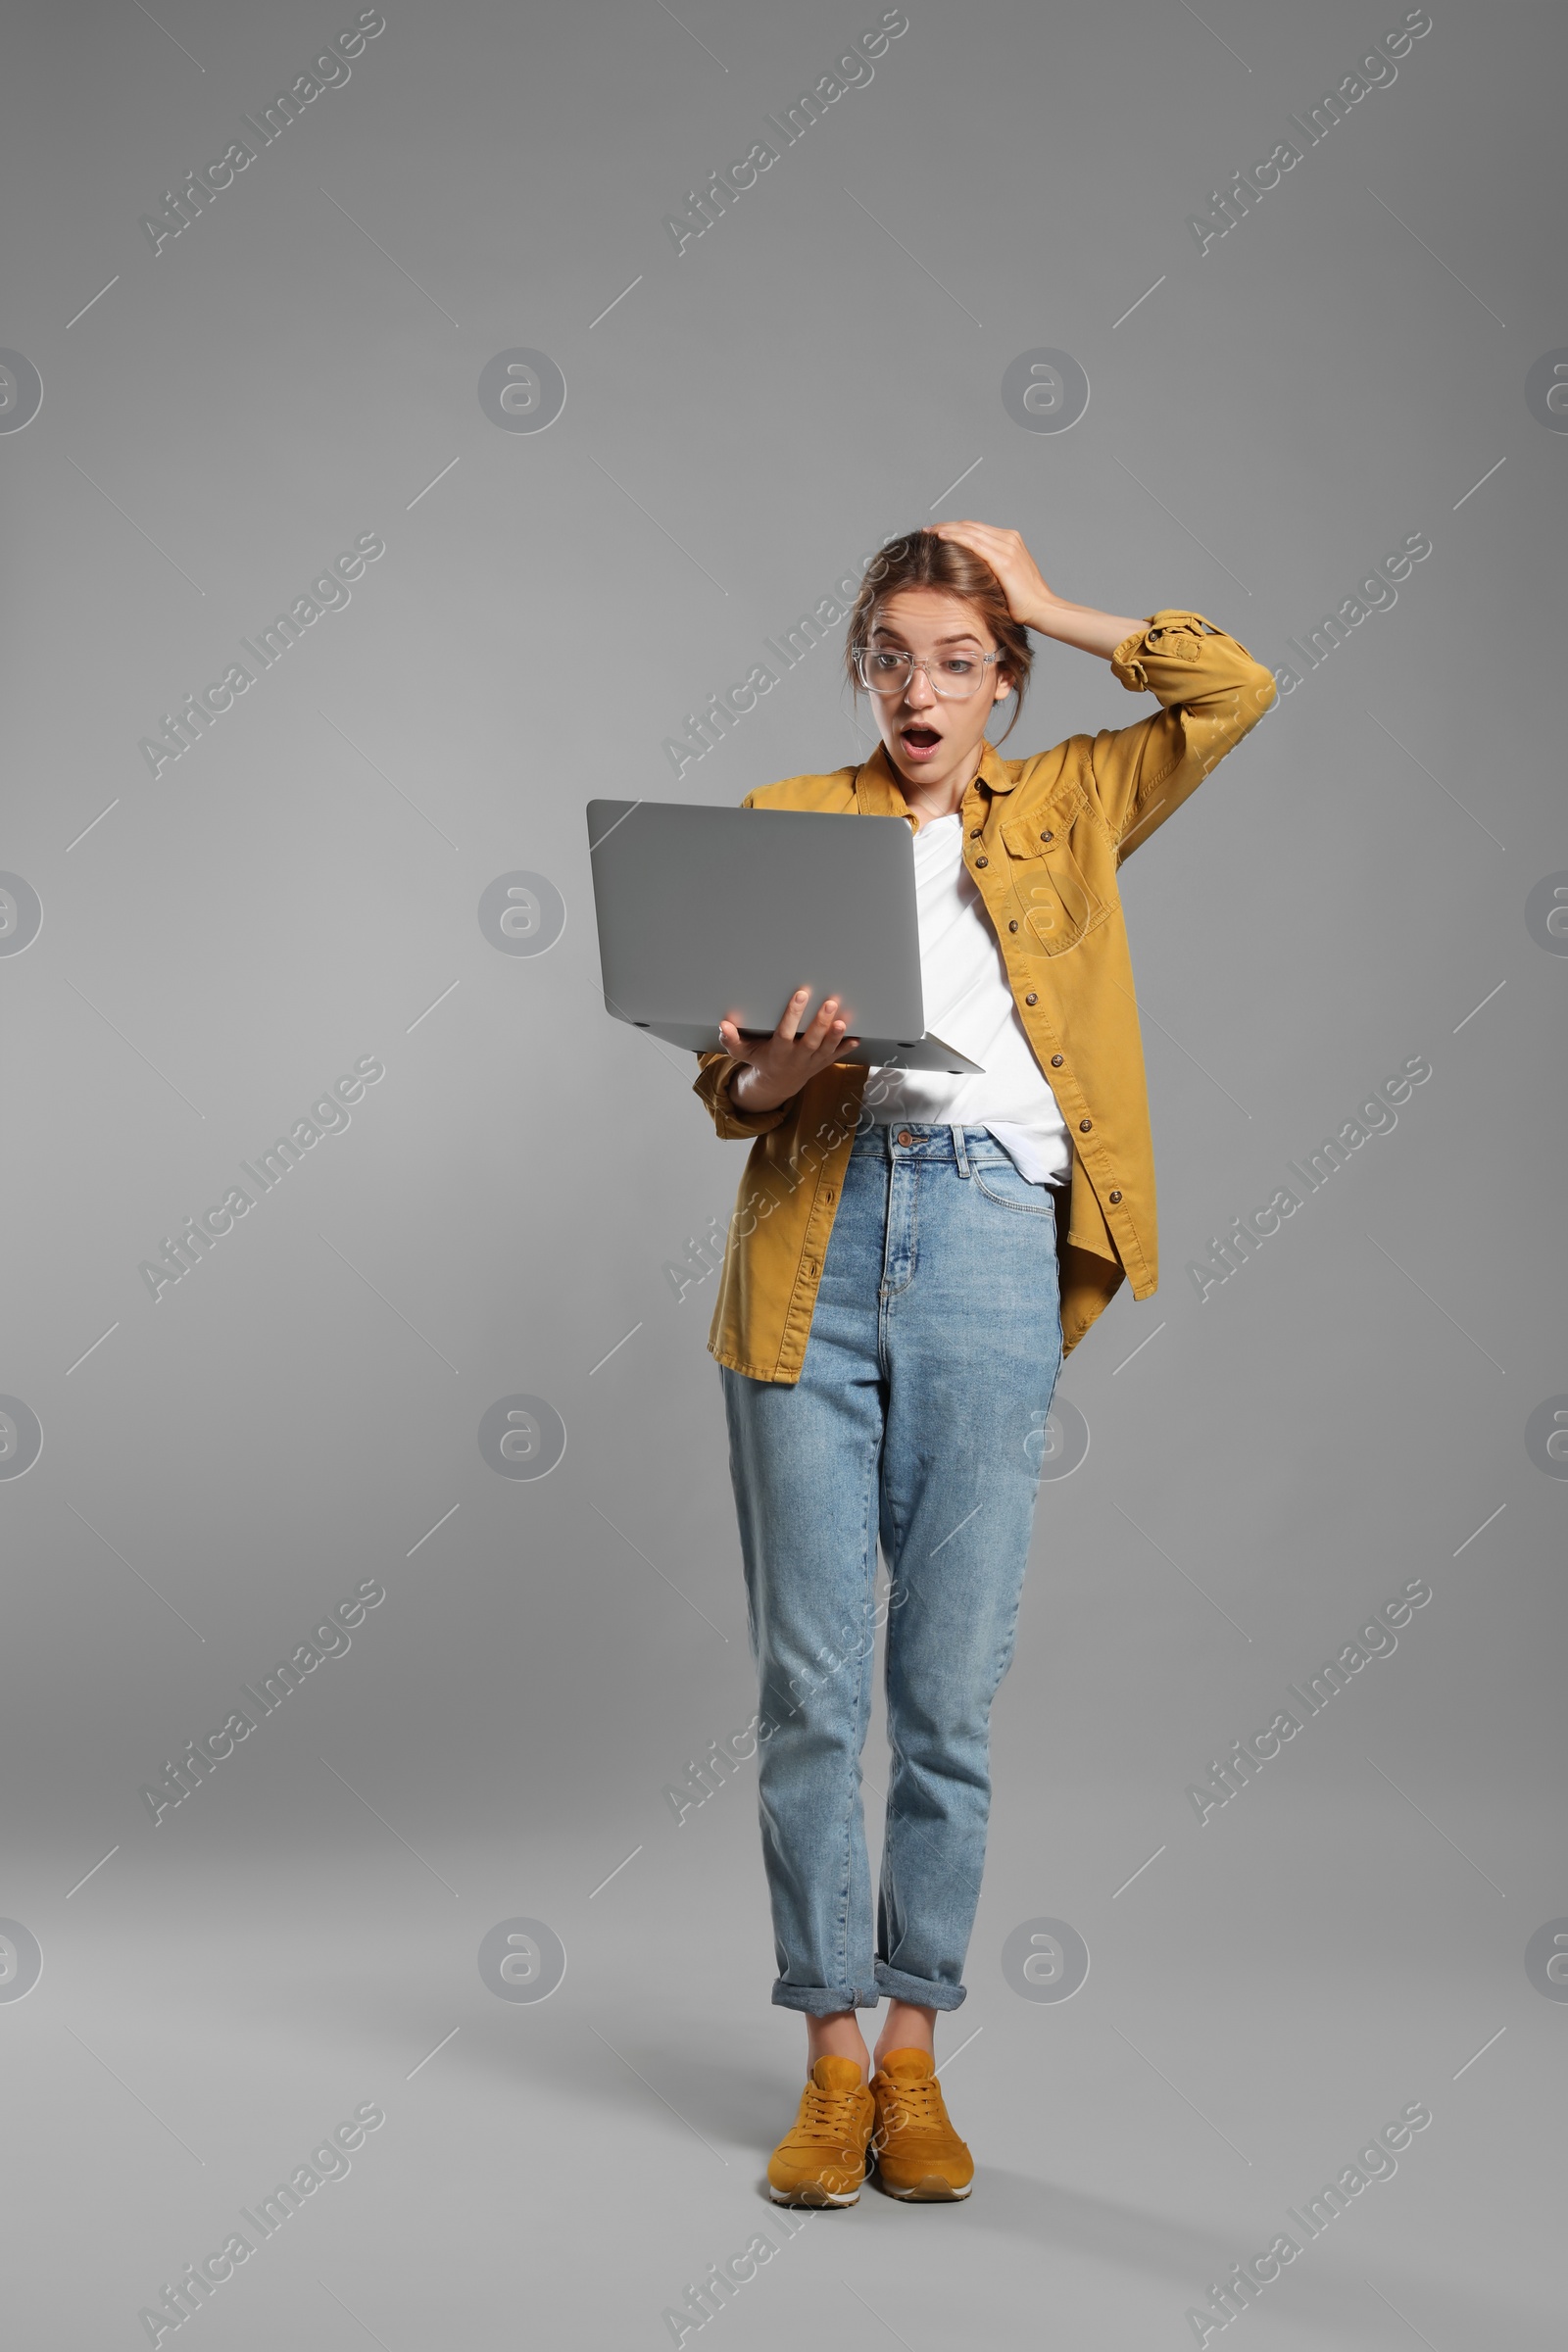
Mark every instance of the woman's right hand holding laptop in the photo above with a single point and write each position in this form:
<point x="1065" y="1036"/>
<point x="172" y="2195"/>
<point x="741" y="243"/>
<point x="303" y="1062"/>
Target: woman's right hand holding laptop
<point x="778" y="1067"/>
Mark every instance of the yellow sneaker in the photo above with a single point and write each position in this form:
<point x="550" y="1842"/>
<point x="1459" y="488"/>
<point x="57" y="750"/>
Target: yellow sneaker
<point x="825" y="2158"/>
<point x="920" y="2156"/>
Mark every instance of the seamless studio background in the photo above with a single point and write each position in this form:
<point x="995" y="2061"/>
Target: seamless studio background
<point x="417" y="424"/>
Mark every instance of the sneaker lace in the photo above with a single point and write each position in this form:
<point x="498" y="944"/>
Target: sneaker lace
<point x="828" y="2115"/>
<point x="913" y="2107"/>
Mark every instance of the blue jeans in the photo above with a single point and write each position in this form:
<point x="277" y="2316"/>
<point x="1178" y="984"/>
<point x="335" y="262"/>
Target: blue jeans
<point x="919" y="1415"/>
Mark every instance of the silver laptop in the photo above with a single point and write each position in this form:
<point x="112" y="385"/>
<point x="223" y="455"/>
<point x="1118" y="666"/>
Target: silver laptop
<point x="714" y="914"/>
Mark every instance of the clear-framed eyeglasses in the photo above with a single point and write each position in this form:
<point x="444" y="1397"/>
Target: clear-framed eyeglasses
<point x="953" y="677"/>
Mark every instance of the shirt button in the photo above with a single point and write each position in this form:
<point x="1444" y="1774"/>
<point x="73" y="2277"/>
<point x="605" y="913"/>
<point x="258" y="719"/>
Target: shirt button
<point x="1055" y="1061"/>
<point x="1048" y="835"/>
<point x="1012" y="926"/>
<point x="975" y="835"/>
<point x="1084" y="1126"/>
<point x="982" y="862"/>
<point x="1031" y="999"/>
<point x="1115" y="1196"/>
<point x="905" y="1137"/>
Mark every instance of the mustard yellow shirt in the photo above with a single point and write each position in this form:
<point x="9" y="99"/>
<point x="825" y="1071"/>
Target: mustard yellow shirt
<point x="1043" y="838"/>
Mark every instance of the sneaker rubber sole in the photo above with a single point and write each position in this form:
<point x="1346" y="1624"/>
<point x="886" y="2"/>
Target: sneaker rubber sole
<point x="932" y="2190"/>
<point x="812" y="2194"/>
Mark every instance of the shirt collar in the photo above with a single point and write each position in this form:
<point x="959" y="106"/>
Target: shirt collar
<point x="879" y="793"/>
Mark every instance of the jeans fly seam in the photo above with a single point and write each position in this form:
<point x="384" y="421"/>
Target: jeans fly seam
<point x="910" y="1220"/>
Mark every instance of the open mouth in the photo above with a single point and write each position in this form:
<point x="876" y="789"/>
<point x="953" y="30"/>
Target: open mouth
<point x="919" y="743"/>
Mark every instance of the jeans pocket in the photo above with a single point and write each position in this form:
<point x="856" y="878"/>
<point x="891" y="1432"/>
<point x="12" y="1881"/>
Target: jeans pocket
<point x="1001" y="1182"/>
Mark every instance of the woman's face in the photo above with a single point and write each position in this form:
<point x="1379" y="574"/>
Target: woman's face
<point x="932" y="739"/>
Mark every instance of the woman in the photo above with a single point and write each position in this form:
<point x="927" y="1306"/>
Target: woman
<point x="911" y="1257"/>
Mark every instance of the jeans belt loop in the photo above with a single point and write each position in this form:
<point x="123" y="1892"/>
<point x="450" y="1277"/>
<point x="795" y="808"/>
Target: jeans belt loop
<point x="959" y="1153"/>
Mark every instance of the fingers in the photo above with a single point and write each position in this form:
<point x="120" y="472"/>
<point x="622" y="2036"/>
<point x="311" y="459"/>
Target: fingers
<point x="832" y="1050"/>
<point x="825" y="1035"/>
<point x="789" y="1031"/>
<point x="790" y="1047"/>
<point x="986" y="539"/>
<point x="821" y="1022"/>
<point x="789" y="1019"/>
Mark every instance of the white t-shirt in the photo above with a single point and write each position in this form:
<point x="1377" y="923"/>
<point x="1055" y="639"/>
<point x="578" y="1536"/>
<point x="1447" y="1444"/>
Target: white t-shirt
<point x="969" y="1005"/>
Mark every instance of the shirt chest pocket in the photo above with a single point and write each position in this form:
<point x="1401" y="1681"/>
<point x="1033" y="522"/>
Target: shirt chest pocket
<point x="1059" y="905"/>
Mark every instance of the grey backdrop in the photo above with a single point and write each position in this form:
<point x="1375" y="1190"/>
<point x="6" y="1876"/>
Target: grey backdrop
<point x="1368" y="1924"/>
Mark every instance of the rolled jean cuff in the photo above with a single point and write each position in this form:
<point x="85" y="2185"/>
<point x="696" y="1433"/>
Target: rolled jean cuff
<point x="821" y="2000"/>
<point x="917" y="1990"/>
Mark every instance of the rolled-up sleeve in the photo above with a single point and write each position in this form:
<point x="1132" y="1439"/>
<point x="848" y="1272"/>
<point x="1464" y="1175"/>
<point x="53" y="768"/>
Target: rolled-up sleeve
<point x="1213" y="693"/>
<point x="712" y="1086"/>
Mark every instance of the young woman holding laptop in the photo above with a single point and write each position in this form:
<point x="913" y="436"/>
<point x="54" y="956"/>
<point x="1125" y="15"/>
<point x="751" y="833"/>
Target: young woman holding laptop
<point x="910" y="1258"/>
